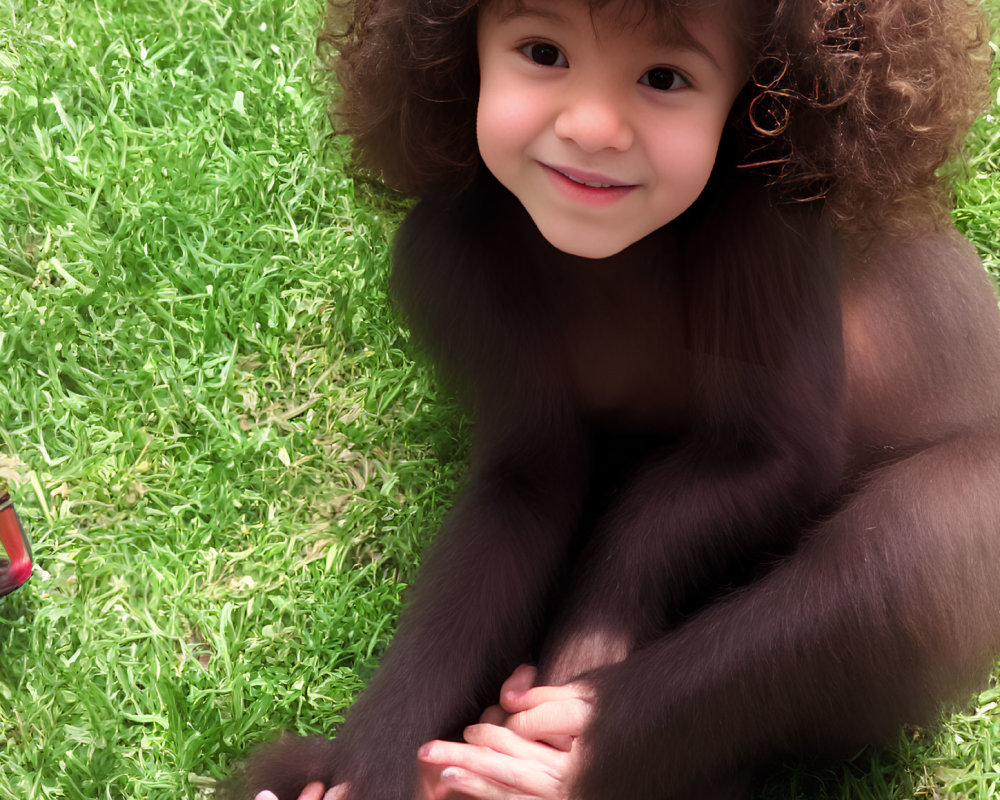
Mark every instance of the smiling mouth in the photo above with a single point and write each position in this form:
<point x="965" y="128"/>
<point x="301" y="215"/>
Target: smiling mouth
<point x="589" y="180"/>
<point x="588" y="188"/>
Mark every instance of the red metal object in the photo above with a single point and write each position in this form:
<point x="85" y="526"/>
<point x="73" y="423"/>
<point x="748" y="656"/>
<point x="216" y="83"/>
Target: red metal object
<point x="16" y="568"/>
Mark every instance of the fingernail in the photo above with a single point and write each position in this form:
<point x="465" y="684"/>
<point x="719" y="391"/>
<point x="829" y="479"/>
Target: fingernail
<point x="451" y="773"/>
<point x="424" y="751"/>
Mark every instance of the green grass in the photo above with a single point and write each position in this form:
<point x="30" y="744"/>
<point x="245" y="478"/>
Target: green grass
<point x="226" y="459"/>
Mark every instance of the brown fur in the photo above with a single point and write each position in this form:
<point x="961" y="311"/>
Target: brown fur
<point x="742" y="479"/>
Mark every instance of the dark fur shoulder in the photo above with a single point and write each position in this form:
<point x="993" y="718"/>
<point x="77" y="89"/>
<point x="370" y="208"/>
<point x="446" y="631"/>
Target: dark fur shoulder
<point x="921" y="331"/>
<point x="465" y="281"/>
<point x="762" y="296"/>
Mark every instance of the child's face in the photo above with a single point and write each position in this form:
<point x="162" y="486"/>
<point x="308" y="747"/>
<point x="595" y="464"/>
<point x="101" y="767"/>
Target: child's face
<point x="604" y="130"/>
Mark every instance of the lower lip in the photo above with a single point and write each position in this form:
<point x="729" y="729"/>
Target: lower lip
<point x="588" y="195"/>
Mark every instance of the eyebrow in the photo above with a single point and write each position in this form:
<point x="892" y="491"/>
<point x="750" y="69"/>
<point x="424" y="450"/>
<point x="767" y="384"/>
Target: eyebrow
<point x="682" y="38"/>
<point x="675" y="35"/>
<point x="520" y="10"/>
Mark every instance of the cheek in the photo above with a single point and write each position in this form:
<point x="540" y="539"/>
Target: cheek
<point x="491" y="131"/>
<point x="684" y="160"/>
<point x="506" y="120"/>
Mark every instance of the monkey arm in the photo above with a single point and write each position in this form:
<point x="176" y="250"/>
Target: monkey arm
<point x="889" y="605"/>
<point x="885" y="611"/>
<point x="687" y="526"/>
<point x="476" y="610"/>
<point x="475" y="613"/>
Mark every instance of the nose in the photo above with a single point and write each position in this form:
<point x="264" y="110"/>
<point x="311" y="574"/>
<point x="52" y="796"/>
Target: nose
<point x="594" y="121"/>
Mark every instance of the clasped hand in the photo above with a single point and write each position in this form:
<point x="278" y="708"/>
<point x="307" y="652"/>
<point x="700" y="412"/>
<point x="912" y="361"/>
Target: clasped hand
<point x="525" y="748"/>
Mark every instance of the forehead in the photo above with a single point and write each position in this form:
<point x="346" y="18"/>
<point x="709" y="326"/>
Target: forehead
<point x="665" y="20"/>
<point x="654" y="15"/>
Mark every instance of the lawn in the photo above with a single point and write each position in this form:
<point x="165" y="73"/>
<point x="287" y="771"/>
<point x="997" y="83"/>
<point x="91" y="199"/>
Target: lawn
<point x="210" y="421"/>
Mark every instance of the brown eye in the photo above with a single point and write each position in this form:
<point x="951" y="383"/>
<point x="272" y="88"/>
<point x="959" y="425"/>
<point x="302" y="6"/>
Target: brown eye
<point x="547" y="55"/>
<point x="664" y="79"/>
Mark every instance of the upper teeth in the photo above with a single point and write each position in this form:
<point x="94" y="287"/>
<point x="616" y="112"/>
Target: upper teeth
<point x="589" y="183"/>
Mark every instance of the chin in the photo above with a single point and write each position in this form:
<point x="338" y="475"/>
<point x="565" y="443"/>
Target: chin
<point x="590" y="246"/>
<point x="592" y="253"/>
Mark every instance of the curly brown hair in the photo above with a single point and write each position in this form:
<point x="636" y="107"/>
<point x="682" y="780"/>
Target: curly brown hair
<point x="858" y="102"/>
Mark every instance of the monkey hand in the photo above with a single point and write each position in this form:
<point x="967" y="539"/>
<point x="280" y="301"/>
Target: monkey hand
<point x="314" y="768"/>
<point x="527" y="748"/>
<point x="429" y="777"/>
<point x="313" y="791"/>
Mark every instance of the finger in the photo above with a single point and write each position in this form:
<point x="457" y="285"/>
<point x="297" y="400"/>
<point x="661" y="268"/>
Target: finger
<point x="265" y="795"/>
<point x="561" y="742"/>
<point x="527" y="776"/>
<point x="536" y="695"/>
<point x="338" y="792"/>
<point x="556" y="718"/>
<point x="505" y="741"/>
<point x="457" y="782"/>
<point x="519" y="682"/>
<point x="558" y="741"/>
<point x="313" y="791"/>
